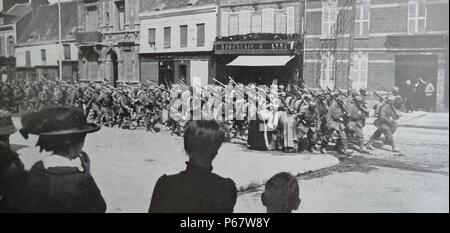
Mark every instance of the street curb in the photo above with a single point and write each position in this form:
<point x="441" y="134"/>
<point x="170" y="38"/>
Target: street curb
<point x="425" y="127"/>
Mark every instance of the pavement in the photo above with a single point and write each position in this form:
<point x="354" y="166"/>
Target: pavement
<point x="126" y="164"/>
<point x="420" y="119"/>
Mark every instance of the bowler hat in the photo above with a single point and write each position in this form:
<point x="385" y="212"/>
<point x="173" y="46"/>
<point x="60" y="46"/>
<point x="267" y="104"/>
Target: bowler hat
<point x="6" y="124"/>
<point x="56" y="121"/>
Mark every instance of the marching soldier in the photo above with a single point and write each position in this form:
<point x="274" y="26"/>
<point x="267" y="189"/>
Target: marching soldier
<point x="386" y="124"/>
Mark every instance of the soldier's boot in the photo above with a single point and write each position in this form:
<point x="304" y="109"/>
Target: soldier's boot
<point x="362" y="149"/>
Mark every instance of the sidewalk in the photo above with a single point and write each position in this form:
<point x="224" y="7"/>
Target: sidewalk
<point x="420" y="119"/>
<point x="126" y="164"/>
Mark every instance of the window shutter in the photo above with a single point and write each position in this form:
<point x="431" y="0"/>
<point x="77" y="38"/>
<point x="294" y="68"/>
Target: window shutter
<point x="244" y="22"/>
<point x="2" y="46"/>
<point x="324" y="21"/>
<point x="268" y="20"/>
<point x="224" y="24"/>
<point x="291" y="20"/>
<point x="183" y="36"/>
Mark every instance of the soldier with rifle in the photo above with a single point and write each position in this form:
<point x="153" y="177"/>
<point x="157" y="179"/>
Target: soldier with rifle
<point x="386" y="122"/>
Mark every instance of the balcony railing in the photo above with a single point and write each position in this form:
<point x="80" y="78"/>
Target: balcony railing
<point x="89" y="37"/>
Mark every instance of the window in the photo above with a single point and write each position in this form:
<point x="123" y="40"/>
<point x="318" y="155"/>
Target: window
<point x="27" y="58"/>
<point x="327" y="74"/>
<point x="256" y="23"/>
<point x="151" y="36"/>
<point x="233" y="25"/>
<point x="10" y="45"/>
<point x="183" y="36"/>
<point x="200" y="35"/>
<point x="167" y="37"/>
<point x="362" y="21"/>
<point x="107" y="18"/>
<point x="92" y="19"/>
<point x="43" y="56"/>
<point x="329" y="18"/>
<point x="359" y="70"/>
<point x="2" y="46"/>
<point x="280" y="23"/>
<point x="121" y="15"/>
<point x="417" y="16"/>
<point x="67" y="51"/>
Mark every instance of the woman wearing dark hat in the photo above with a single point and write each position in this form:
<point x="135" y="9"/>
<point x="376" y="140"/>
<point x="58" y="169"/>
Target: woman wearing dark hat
<point x="61" y="182"/>
<point x="197" y="189"/>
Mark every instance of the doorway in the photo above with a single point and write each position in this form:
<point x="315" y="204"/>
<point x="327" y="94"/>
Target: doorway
<point x="112" y="67"/>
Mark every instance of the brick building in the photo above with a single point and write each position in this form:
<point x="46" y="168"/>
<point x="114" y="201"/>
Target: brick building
<point x="108" y="39"/>
<point x="38" y="52"/>
<point x="177" y="41"/>
<point x="388" y="42"/>
<point x="259" y="41"/>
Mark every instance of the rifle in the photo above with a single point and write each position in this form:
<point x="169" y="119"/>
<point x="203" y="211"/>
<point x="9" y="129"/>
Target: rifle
<point x="161" y="87"/>
<point x="338" y="101"/>
<point x="383" y="100"/>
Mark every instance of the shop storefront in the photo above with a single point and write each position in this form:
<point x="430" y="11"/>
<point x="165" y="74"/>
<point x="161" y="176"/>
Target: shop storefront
<point x="259" y="58"/>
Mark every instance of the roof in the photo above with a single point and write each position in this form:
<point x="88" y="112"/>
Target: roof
<point x="8" y="4"/>
<point x="149" y="6"/>
<point x="44" y="25"/>
<point x="19" y="10"/>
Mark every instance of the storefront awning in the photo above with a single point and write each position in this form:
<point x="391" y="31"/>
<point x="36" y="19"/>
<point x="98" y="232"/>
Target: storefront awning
<point x="261" y="61"/>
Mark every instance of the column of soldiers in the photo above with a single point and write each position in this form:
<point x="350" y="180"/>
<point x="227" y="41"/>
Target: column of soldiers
<point x="290" y="119"/>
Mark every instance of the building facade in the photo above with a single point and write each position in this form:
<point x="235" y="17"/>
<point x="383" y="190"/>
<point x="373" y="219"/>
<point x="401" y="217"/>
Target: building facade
<point x="259" y="41"/>
<point x="38" y="52"/>
<point x="177" y="44"/>
<point x="12" y="23"/>
<point x="379" y="44"/>
<point x="108" y="39"/>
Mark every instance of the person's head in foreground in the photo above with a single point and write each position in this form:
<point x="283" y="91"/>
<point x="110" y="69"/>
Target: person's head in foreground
<point x="197" y="189"/>
<point x="61" y="131"/>
<point x="281" y="194"/>
<point x="202" y="141"/>
<point x="6" y="127"/>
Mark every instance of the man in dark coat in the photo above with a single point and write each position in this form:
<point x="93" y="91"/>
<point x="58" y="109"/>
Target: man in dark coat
<point x="197" y="189"/>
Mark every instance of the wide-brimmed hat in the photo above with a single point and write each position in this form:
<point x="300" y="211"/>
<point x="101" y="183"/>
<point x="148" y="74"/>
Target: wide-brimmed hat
<point x="6" y="124"/>
<point x="56" y="121"/>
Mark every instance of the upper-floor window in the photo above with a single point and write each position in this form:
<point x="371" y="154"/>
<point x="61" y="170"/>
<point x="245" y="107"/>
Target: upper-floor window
<point x="27" y="58"/>
<point x="167" y="37"/>
<point x="43" y="56"/>
<point x="359" y="70"/>
<point x="417" y="16"/>
<point x="107" y="18"/>
<point x="120" y="5"/>
<point x="327" y="71"/>
<point x="66" y="49"/>
<point x="281" y="23"/>
<point x="92" y="19"/>
<point x="233" y="25"/>
<point x="2" y="46"/>
<point x="183" y="36"/>
<point x="200" y="35"/>
<point x="362" y="21"/>
<point x="329" y="18"/>
<point x="151" y="36"/>
<point x="10" y="45"/>
<point x="256" y="23"/>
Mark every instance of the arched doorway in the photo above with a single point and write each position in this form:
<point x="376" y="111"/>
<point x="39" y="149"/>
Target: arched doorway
<point x="112" y="67"/>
